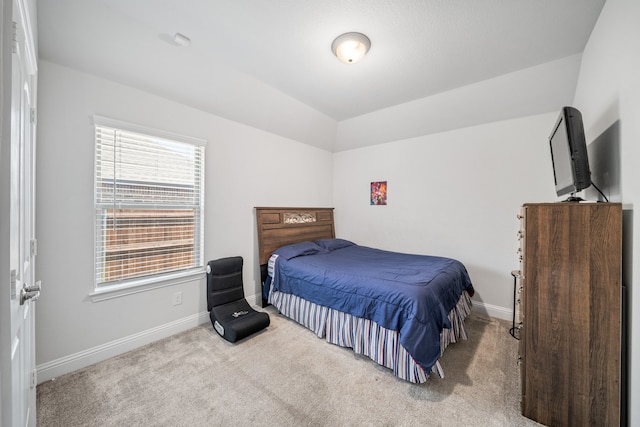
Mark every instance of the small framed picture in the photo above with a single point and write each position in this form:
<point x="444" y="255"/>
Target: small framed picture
<point x="379" y="193"/>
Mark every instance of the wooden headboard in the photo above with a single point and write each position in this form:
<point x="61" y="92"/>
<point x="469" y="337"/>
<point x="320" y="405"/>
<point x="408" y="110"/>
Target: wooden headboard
<point x="285" y="226"/>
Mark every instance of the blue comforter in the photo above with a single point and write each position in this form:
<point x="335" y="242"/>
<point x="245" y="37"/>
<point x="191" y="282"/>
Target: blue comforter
<point x="412" y="294"/>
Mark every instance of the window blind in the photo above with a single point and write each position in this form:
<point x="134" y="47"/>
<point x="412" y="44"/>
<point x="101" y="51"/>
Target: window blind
<point x="149" y="200"/>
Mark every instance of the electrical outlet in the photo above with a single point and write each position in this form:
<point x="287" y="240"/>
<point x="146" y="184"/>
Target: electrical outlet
<point x="177" y="298"/>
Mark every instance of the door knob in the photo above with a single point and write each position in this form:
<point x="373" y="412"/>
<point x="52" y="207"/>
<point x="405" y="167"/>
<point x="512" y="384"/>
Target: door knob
<point x="30" y="292"/>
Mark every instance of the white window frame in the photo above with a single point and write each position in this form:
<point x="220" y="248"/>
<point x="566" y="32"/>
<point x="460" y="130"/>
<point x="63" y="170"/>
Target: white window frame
<point x="109" y="290"/>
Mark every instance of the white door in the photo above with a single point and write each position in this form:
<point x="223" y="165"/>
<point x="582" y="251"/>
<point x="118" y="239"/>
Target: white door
<point x="22" y="244"/>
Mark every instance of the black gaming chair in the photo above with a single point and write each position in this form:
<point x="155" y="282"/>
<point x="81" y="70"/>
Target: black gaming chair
<point x="231" y="315"/>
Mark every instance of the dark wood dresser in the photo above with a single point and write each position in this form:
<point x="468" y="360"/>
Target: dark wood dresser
<point x="570" y="311"/>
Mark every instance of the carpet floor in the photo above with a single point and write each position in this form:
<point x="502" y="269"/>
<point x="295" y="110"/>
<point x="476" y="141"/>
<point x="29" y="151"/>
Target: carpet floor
<point x="286" y="376"/>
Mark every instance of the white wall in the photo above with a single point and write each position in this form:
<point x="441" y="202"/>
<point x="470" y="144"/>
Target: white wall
<point x="453" y="194"/>
<point x="245" y="167"/>
<point x="608" y="94"/>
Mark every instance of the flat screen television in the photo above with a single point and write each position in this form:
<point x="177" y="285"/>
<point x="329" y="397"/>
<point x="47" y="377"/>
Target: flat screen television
<point x="569" y="154"/>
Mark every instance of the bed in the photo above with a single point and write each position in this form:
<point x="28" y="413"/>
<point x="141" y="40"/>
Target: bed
<point x="400" y="310"/>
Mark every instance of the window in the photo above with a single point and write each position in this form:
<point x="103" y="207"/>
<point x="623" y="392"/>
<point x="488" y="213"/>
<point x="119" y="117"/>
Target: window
<point x="149" y="200"/>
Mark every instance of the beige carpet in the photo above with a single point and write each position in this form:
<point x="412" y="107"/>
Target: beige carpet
<point x="286" y="376"/>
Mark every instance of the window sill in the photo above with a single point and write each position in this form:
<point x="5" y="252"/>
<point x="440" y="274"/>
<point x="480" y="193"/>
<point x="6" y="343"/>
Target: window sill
<point x="104" y="293"/>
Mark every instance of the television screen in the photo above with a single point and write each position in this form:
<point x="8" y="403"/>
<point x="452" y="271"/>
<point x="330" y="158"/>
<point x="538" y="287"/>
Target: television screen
<point x="569" y="154"/>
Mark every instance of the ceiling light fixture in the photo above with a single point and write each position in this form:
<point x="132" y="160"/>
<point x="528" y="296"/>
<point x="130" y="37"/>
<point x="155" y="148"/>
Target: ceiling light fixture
<point x="351" y="47"/>
<point x="182" y="40"/>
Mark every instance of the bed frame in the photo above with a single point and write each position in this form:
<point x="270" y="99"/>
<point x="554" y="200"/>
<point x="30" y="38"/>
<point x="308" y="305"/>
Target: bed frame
<point x="285" y="226"/>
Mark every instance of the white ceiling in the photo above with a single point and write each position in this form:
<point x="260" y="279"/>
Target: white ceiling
<point x="419" y="47"/>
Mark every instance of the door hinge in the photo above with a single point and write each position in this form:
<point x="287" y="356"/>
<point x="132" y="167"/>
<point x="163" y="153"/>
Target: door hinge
<point x="34" y="247"/>
<point x="34" y="378"/>
<point x="33" y="116"/>
<point x="14" y="279"/>
<point x="14" y="37"/>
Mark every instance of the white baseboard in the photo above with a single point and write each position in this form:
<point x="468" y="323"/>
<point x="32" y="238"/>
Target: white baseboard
<point x="254" y="301"/>
<point x="64" y="365"/>
<point x="492" y="310"/>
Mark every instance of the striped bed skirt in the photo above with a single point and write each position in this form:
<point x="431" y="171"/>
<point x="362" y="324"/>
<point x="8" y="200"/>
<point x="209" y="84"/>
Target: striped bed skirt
<point x="368" y="338"/>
